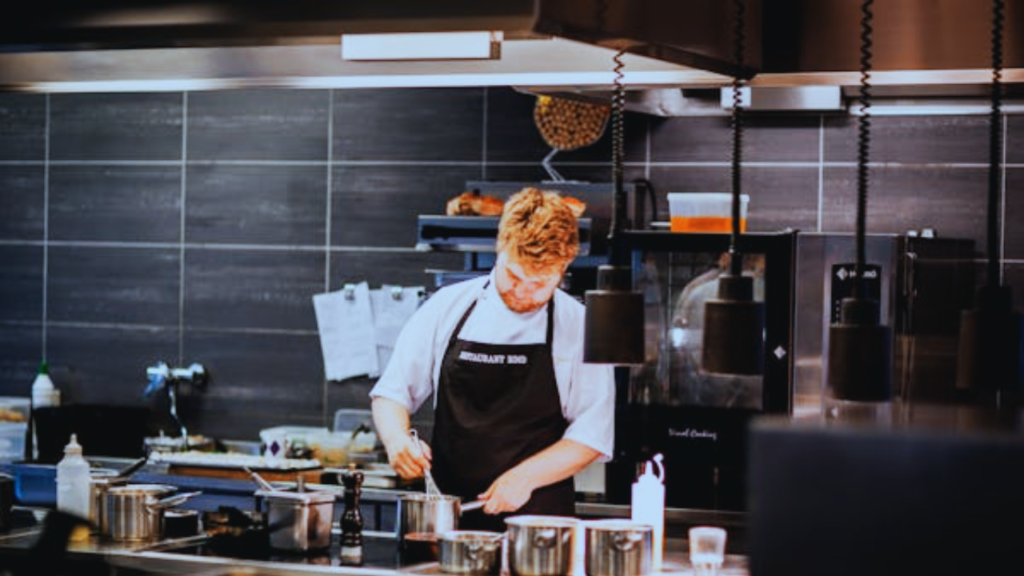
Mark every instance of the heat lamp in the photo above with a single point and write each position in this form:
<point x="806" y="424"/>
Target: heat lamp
<point x="614" y="322"/>
<point x="733" y="339"/>
<point x="859" y="370"/>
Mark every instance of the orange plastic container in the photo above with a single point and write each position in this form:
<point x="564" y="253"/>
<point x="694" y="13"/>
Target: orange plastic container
<point x="705" y="212"/>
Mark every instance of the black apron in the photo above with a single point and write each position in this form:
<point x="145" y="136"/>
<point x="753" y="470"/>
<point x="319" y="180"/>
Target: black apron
<point x="497" y="405"/>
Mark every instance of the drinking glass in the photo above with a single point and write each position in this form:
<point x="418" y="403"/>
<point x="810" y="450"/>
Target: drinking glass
<point x="707" y="550"/>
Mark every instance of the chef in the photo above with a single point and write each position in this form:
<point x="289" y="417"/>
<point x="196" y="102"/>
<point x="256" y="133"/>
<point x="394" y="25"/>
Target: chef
<point x="517" y="412"/>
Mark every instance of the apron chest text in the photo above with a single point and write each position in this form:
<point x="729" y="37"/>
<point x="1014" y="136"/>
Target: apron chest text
<point x="479" y="358"/>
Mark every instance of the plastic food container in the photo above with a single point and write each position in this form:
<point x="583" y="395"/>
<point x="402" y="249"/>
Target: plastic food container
<point x="12" y="441"/>
<point x="14" y="409"/>
<point x="331" y="449"/>
<point x="705" y="212"/>
<point x="14" y="413"/>
<point x="348" y="419"/>
<point x="299" y="439"/>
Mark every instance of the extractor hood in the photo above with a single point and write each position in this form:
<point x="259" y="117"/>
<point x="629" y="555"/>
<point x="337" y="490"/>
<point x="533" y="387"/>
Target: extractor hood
<point x="695" y="33"/>
<point x="679" y="53"/>
<point x="117" y="45"/>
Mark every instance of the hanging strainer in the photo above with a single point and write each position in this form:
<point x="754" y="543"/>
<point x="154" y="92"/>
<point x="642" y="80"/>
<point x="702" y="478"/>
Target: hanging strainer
<point x="567" y="124"/>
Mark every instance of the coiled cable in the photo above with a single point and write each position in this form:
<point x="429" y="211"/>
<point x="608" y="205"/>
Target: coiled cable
<point x="618" y="121"/>
<point x="995" y="147"/>
<point x="618" y="148"/>
<point x="863" y="143"/>
<point x="739" y="37"/>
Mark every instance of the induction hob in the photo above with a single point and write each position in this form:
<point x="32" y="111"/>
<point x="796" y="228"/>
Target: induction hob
<point x="381" y="551"/>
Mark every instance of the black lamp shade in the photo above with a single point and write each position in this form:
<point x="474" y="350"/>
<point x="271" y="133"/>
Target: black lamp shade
<point x="614" y="324"/>
<point x="733" y="329"/>
<point x="989" y="356"/>
<point x="860" y="354"/>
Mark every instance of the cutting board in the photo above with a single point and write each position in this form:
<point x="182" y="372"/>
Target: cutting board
<point x="310" y="476"/>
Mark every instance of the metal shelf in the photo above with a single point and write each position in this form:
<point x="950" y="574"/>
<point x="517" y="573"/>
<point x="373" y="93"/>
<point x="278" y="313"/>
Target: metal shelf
<point x="472" y="233"/>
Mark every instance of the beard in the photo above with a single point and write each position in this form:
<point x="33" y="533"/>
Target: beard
<point x="519" y="305"/>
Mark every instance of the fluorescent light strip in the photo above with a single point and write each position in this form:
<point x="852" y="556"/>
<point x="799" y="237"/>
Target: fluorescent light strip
<point x="420" y="46"/>
<point x="594" y="79"/>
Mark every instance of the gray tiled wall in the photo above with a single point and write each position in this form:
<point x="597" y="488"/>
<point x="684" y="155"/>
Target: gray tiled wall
<point x="195" y="227"/>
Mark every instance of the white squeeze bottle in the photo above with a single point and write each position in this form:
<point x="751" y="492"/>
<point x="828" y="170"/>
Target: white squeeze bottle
<point x="44" y="393"/>
<point x="649" y="505"/>
<point x="73" y="481"/>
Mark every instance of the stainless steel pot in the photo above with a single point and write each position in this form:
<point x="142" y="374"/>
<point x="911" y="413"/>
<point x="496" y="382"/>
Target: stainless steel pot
<point x="470" y="552"/>
<point x="540" y="545"/>
<point x="181" y="523"/>
<point x="423" y="514"/>
<point x="100" y="481"/>
<point x="135" y="512"/>
<point x="618" y="548"/>
<point x="299" y="521"/>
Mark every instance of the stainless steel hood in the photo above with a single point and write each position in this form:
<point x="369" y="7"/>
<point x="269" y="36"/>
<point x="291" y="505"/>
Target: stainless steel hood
<point x="539" y="63"/>
<point x="694" y="33"/>
<point x="679" y="53"/>
<point x="112" y="45"/>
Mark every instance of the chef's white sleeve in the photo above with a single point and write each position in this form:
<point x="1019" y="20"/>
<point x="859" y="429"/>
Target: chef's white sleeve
<point x="408" y="377"/>
<point x="590" y="409"/>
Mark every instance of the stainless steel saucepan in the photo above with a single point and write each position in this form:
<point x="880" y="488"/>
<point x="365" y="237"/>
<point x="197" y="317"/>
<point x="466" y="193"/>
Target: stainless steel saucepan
<point x="429" y="514"/>
<point x="100" y="481"/>
<point x="470" y="553"/>
<point x="423" y="518"/>
<point x="136" y="511"/>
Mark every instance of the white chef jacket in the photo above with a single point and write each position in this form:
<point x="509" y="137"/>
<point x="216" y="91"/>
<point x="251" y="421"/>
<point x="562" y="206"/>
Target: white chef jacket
<point x="586" y="391"/>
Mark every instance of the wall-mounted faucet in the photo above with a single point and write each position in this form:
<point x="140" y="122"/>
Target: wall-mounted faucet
<point x="162" y="376"/>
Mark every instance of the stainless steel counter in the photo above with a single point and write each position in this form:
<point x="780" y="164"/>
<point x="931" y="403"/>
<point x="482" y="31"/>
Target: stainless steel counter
<point x="167" y="557"/>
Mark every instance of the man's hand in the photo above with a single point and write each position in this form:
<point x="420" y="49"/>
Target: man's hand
<point x="510" y="492"/>
<point x="409" y="457"/>
<point x="513" y="489"/>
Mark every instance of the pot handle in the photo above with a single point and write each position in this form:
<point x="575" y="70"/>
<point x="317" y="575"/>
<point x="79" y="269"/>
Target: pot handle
<point x="487" y="545"/>
<point x="132" y="469"/>
<point x="172" y="501"/>
<point x="259" y="479"/>
<point x="545" y="538"/>
<point x="625" y="542"/>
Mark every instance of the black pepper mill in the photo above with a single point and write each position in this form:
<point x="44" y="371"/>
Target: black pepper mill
<point x="352" y="520"/>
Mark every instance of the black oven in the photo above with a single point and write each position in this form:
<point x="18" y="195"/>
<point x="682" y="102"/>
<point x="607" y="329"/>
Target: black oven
<point x="670" y="405"/>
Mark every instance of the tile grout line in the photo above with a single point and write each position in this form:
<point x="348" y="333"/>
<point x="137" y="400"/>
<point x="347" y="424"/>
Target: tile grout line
<point x="164" y="327"/>
<point x="181" y="229"/>
<point x="483" y="144"/>
<point x="46" y="226"/>
<point x="330" y="192"/>
<point x="327" y="234"/>
<point x="821" y="169"/>
<point x="507" y="163"/>
<point x="211" y="246"/>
